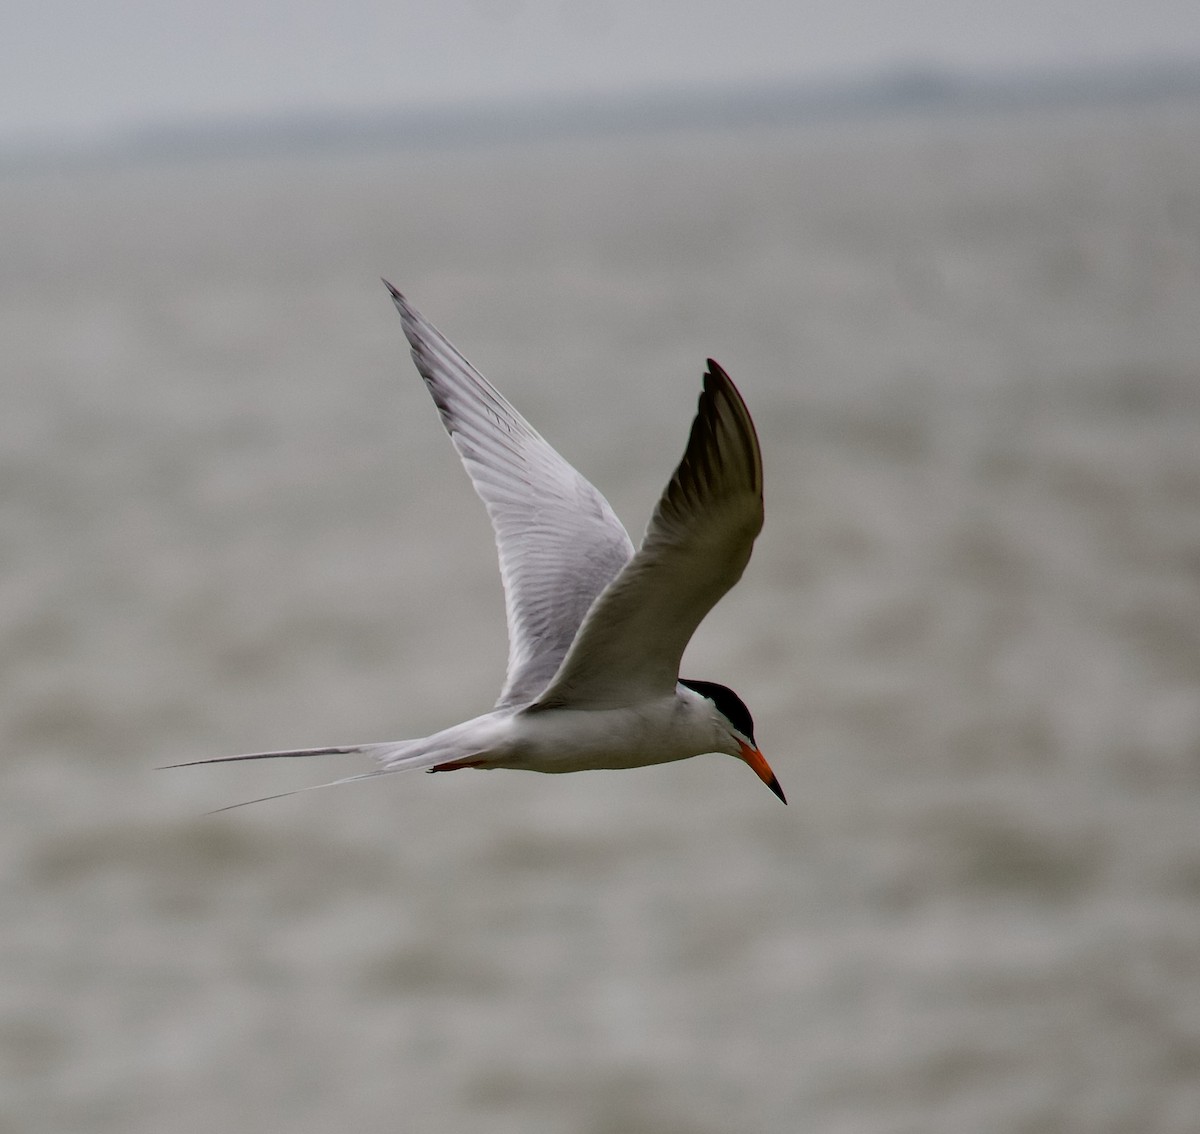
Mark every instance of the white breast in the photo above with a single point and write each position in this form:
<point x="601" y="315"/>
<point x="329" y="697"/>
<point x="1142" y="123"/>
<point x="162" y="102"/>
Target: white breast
<point x="575" y="740"/>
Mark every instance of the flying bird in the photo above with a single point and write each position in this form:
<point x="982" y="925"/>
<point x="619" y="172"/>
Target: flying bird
<point x="596" y="630"/>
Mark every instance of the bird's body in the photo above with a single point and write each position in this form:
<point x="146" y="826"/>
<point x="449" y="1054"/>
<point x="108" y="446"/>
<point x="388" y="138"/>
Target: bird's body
<point x="558" y="740"/>
<point x="596" y="630"/>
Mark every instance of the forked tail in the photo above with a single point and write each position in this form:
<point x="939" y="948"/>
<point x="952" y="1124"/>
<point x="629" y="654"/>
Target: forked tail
<point x="392" y="756"/>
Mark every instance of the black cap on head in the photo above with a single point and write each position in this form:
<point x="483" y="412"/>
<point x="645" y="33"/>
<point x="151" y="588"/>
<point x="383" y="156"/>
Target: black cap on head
<point x="728" y="703"/>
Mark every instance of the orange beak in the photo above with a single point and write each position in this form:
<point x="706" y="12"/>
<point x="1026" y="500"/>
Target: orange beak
<point x="762" y="769"/>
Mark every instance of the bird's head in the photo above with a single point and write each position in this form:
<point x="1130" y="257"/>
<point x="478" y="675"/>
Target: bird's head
<point x="735" y="720"/>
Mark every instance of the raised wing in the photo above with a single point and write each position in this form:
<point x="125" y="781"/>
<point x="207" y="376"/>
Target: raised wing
<point x="696" y="546"/>
<point x="560" y="544"/>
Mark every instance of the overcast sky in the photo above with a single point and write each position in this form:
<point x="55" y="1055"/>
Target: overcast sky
<point x="72" y="68"/>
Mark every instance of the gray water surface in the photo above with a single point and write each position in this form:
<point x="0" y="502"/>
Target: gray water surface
<point x="970" y="635"/>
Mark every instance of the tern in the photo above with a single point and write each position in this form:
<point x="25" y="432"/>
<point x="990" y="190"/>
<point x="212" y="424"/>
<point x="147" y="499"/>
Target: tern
<point x="596" y="630"/>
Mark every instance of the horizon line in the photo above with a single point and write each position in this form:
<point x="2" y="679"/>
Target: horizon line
<point x="915" y="87"/>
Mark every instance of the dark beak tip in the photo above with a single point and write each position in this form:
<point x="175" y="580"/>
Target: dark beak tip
<point x="774" y="786"/>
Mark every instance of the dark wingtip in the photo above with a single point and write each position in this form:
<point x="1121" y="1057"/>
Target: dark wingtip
<point x="716" y="375"/>
<point x="718" y="386"/>
<point x="394" y="293"/>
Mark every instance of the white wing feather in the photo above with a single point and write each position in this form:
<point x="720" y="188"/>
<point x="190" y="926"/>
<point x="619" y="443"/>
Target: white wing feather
<point x="559" y="542"/>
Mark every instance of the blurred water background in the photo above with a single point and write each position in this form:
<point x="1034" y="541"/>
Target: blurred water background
<point x="970" y="635"/>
